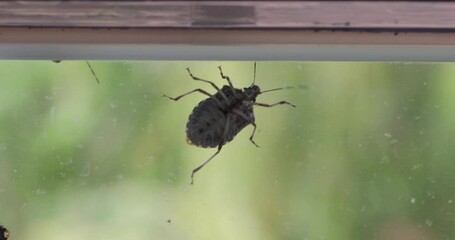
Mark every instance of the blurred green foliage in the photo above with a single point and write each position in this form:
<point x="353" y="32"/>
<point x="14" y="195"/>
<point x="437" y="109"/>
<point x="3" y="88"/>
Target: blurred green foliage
<point x="367" y="153"/>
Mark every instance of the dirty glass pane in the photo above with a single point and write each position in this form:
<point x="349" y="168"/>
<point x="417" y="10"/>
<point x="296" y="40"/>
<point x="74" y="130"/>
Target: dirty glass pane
<point x="366" y="154"/>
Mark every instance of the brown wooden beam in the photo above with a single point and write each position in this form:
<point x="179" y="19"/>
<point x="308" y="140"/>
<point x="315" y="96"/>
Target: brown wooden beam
<point x="345" y="15"/>
<point x="214" y="37"/>
<point x="229" y="30"/>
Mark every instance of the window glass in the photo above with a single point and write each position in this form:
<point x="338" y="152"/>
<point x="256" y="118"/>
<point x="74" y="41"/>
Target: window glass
<point x="367" y="153"/>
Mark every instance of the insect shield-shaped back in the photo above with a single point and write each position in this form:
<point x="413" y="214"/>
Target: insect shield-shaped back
<point x="207" y="123"/>
<point x="217" y="119"/>
<point x="4" y="233"/>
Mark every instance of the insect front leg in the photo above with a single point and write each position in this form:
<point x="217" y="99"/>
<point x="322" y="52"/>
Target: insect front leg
<point x="228" y="80"/>
<point x="272" y="105"/>
<point x="225" y="77"/>
<point x="188" y="93"/>
<point x="202" y="80"/>
<point x="211" y="83"/>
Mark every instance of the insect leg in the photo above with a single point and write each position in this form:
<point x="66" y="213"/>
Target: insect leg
<point x="211" y="83"/>
<point x="188" y="93"/>
<point x="226" y="128"/>
<point x="251" y="121"/>
<point x="252" y="134"/>
<point x="202" y="80"/>
<point x="272" y="105"/>
<point x="93" y="72"/>
<point x="228" y="80"/>
<point x="202" y="165"/>
<point x="225" y="77"/>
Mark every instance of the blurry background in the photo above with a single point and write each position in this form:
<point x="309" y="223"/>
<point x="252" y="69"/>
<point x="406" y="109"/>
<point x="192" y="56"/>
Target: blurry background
<point x="367" y="154"/>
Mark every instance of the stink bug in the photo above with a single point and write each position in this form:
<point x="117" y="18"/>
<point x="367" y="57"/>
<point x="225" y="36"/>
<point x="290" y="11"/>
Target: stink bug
<point x="4" y="234"/>
<point x="217" y="119"/>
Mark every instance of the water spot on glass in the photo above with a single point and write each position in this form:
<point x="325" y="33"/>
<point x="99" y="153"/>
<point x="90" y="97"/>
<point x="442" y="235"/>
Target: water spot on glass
<point x="113" y="105"/>
<point x="393" y="141"/>
<point x="417" y="166"/>
<point x="431" y="195"/>
<point x="52" y="115"/>
<point x="385" y="159"/>
<point x="103" y="187"/>
<point x="3" y="146"/>
<point x="40" y="191"/>
<point x="428" y="222"/>
<point x="85" y="171"/>
<point x="171" y="177"/>
<point x="413" y="200"/>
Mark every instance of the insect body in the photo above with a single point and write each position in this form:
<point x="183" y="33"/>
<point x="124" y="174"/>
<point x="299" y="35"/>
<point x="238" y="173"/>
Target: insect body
<point x="216" y="120"/>
<point x="4" y="234"/>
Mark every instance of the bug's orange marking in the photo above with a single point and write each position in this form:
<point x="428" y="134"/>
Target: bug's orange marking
<point x="189" y="141"/>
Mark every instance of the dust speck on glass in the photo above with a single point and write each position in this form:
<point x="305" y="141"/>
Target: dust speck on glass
<point x="366" y="154"/>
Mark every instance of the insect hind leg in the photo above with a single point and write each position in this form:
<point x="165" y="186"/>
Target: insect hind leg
<point x="202" y="80"/>
<point x="205" y="163"/>
<point x="226" y="128"/>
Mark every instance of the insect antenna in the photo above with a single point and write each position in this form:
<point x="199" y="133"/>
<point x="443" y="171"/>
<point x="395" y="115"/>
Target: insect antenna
<point x="254" y="76"/>
<point x="283" y="88"/>
<point x="93" y="72"/>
